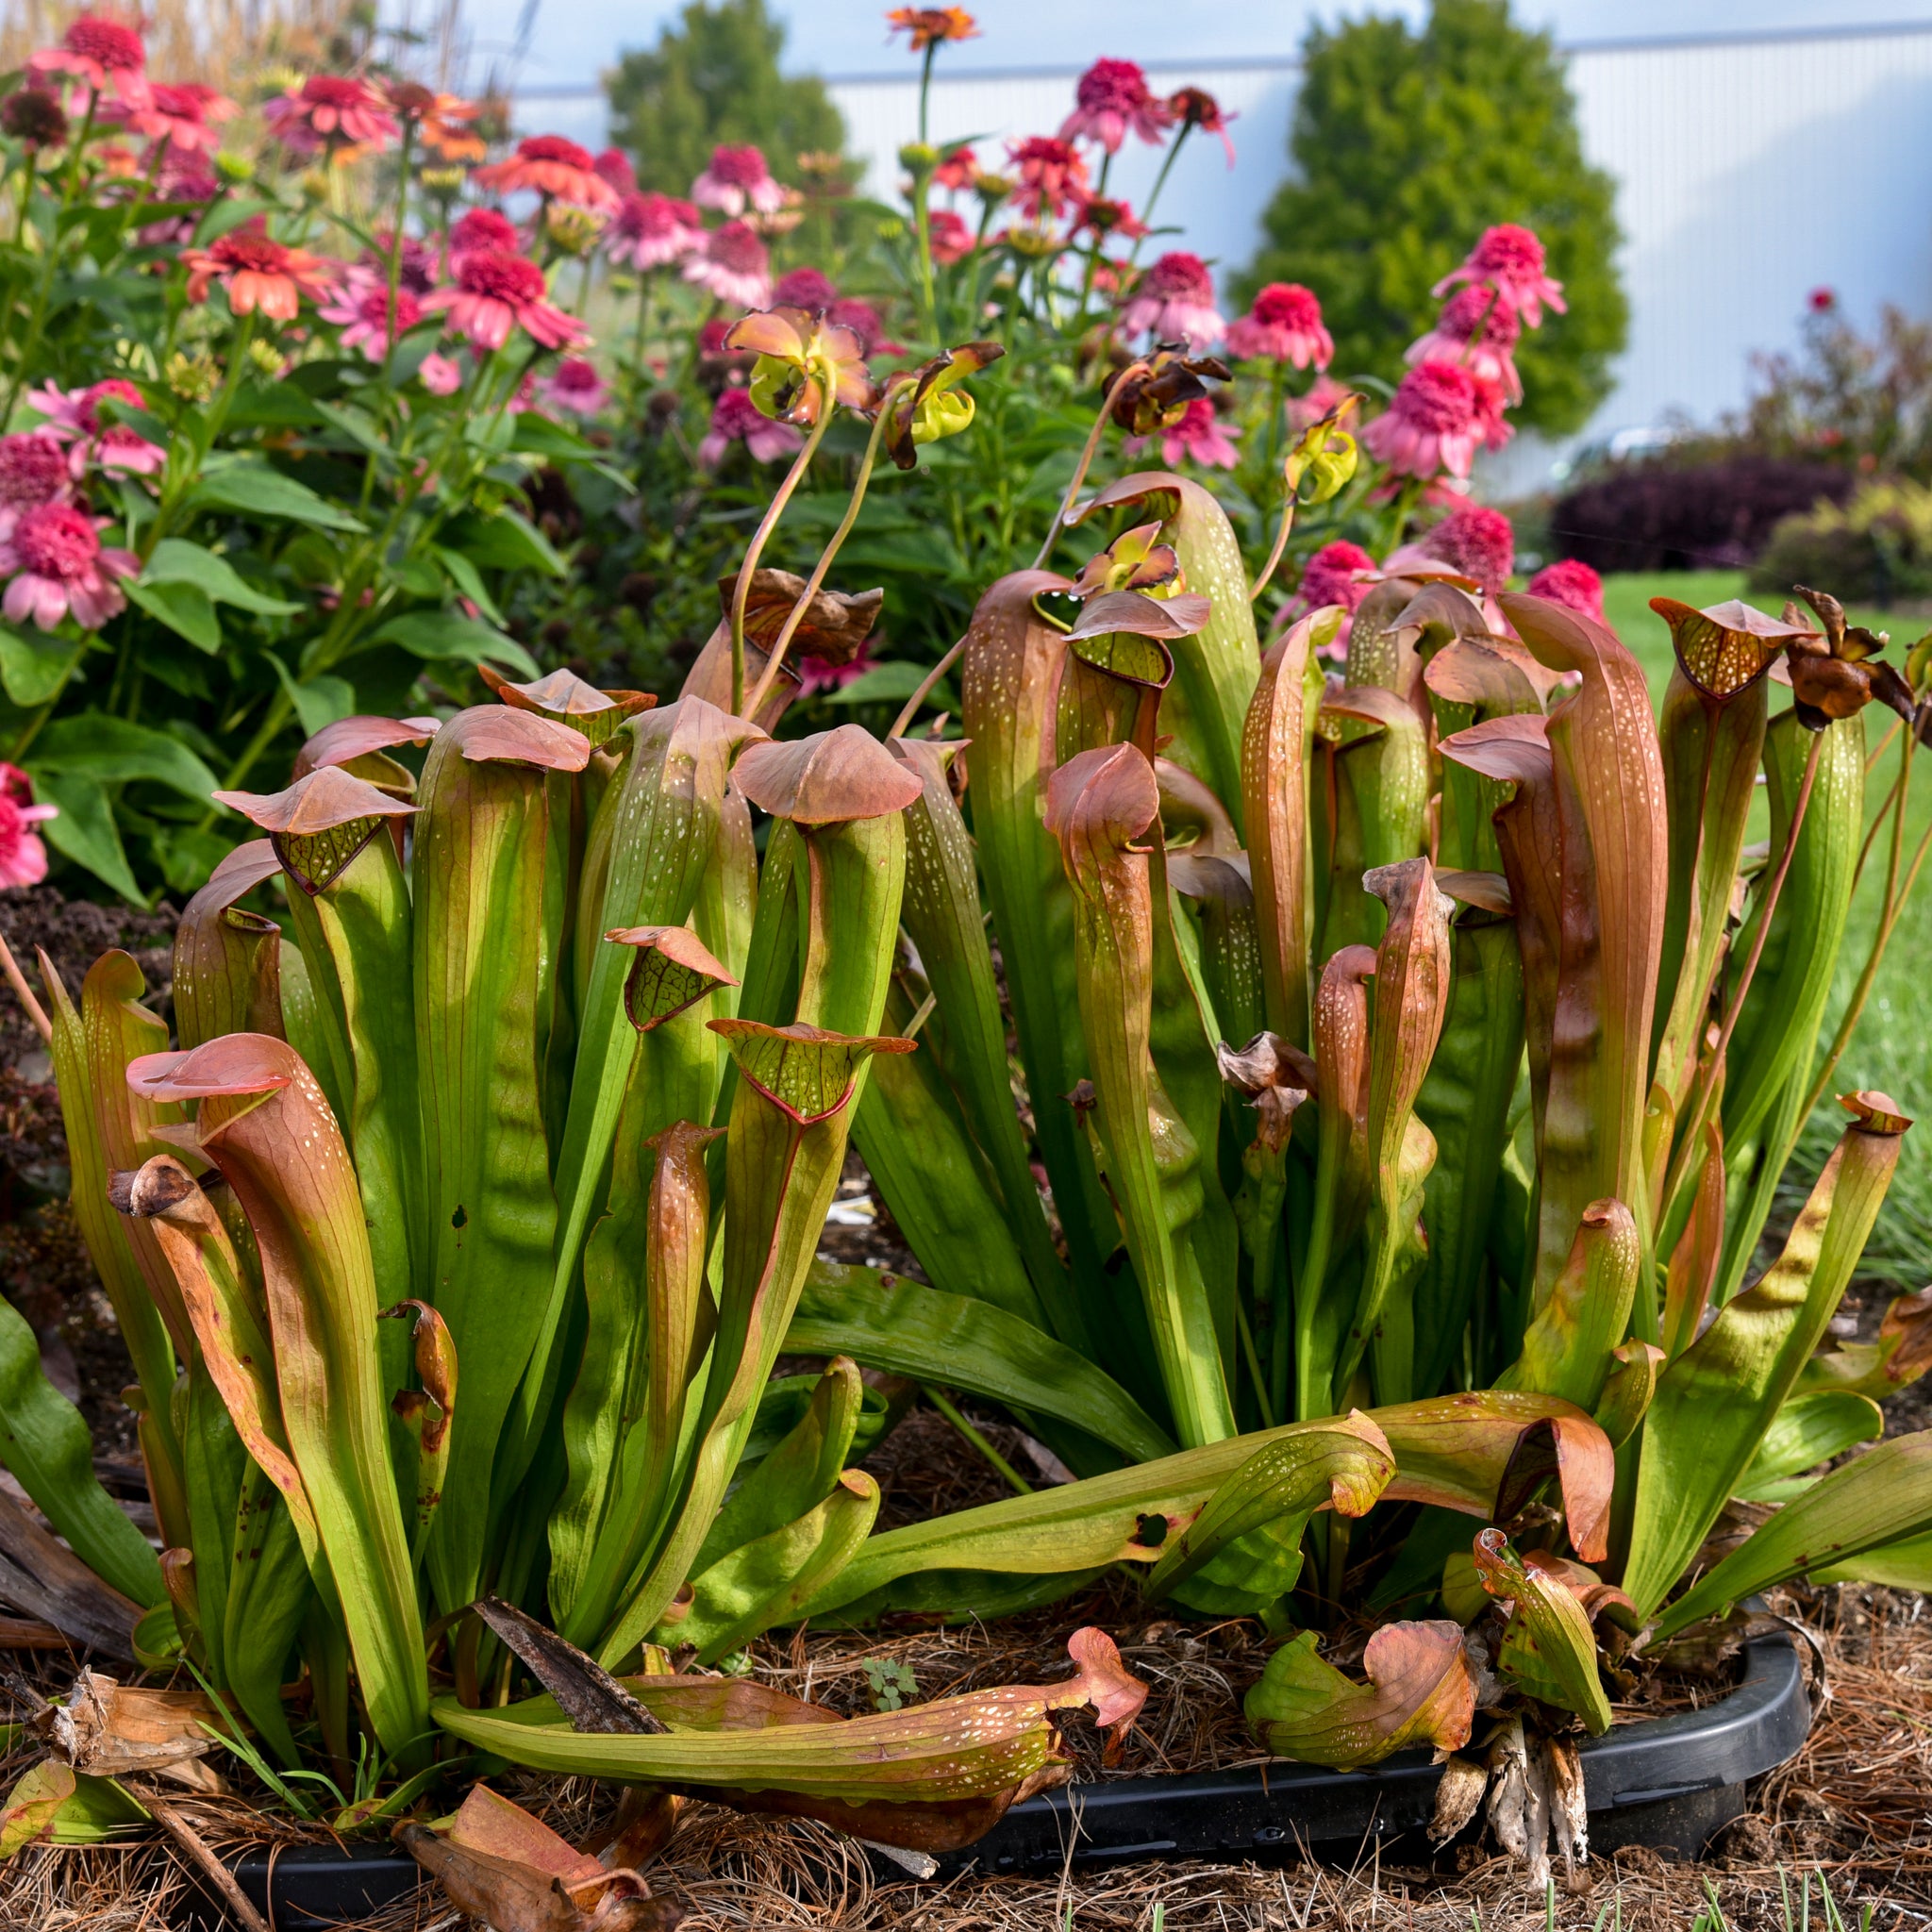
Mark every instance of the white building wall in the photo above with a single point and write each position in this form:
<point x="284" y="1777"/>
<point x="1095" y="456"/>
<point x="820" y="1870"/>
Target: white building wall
<point x="1750" y="168"/>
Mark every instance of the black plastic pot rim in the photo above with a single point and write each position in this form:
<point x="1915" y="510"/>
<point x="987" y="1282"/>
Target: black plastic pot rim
<point x="1668" y="1783"/>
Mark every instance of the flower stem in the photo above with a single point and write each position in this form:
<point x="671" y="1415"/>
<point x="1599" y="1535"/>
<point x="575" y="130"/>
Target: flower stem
<point x="903" y="722"/>
<point x="1691" y="1144"/>
<point x="38" y="316"/>
<point x="774" y="661"/>
<point x="1086" y="463"/>
<point x="759" y="537"/>
<point x="976" y="1441"/>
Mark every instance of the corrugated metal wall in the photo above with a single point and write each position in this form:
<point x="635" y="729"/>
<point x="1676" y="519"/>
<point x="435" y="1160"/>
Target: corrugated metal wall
<point x="1752" y="169"/>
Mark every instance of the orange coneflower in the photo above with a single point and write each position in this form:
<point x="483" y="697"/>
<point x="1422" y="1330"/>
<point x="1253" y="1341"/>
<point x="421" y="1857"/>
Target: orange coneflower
<point x="258" y="272"/>
<point x="554" y="167"/>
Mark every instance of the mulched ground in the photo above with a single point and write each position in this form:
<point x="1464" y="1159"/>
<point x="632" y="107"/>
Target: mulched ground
<point x="1856" y="1806"/>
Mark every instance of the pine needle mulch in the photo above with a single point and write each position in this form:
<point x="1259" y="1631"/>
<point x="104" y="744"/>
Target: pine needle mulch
<point x="1854" y="1809"/>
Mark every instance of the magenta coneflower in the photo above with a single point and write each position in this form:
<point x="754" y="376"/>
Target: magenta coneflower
<point x="1339" y="572"/>
<point x="54" y="557"/>
<point x="106" y="56"/>
<point x="958" y="171"/>
<point x="1051" y="173"/>
<point x="549" y="165"/>
<point x="651" y="231"/>
<point x="1112" y="100"/>
<point x="1573" y="585"/>
<point x="1194" y="106"/>
<point x="1102" y="214"/>
<point x="22" y="857"/>
<point x="331" y="111"/>
<point x="614" y="166"/>
<point x="1510" y="260"/>
<point x="865" y="322"/>
<point x="1434" y="422"/>
<point x="1476" y="542"/>
<point x="1174" y="300"/>
<point x="574" y="387"/>
<point x="74" y="418"/>
<point x="438" y="375"/>
<point x="1200" y="437"/>
<point x="952" y="240"/>
<point x="416" y="266"/>
<point x="182" y="115"/>
<point x="738" y="178"/>
<point x="735" y="418"/>
<point x="804" y="288"/>
<point x="481" y="227"/>
<point x="734" y="265"/>
<point x="360" y="308"/>
<point x="1283" y="325"/>
<point x="33" y="471"/>
<point x="1479" y="329"/>
<point x="498" y="291"/>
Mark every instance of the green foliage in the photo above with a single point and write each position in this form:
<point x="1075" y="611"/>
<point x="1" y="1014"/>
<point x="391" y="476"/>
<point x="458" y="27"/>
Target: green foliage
<point x="1877" y="547"/>
<point x="715" y="79"/>
<point x="1404" y="145"/>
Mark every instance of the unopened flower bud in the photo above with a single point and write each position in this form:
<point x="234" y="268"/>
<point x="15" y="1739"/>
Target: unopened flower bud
<point x="573" y="229"/>
<point x="192" y="377"/>
<point x="919" y="158"/>
<point x="265" y="355"/>
<point x="441" y="181"/>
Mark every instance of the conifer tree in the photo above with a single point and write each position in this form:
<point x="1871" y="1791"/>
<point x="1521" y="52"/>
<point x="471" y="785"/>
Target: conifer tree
<point x="1407" y="146"/>
<point x="714" y="77"/>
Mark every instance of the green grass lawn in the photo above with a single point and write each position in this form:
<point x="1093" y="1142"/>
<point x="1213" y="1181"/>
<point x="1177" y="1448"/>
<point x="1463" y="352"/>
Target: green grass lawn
<point x="1892" y="1048"/>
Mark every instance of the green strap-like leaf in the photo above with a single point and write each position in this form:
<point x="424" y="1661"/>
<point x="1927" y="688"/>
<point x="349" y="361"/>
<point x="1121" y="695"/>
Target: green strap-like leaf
<point x="1880" y="1503"/>
<point x="966" y="1343"/>
<point x="45" y="1443"/>
<point x="1808" y="1430"/>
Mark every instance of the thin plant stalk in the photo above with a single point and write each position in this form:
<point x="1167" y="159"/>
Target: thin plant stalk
<point x="767" y="523"/>
<point x="975" y="1441"/>
<point x="813" y="583"/>
<point x="1689" y="1150"/>
<point x="903" y="722"/>
<point x="1086" y="463"/>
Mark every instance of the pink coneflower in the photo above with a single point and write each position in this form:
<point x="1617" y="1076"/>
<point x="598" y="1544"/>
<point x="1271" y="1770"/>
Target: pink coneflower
<point x="805" y="288"/>
<point x="1194" y="106"/>
<point x="54" y="556"/>
<point x="736" y="179"/>
<point x="865" y="322"/>
<point x="958" y="171"/>
<point x="481" y="227"/>
<point x="496" y="292"/>
<point x="184" y="177"/>
<point x="331" y="111"/>
<point x="1335" y="575"/>
<point x="106" y="55"/>
<point x="614" y="166"/>
<point x="1051" y="173"/>
<point x="576" y="387"/>
<point x="1323" y="398"/>
<point x="438" y="375"/>
<point x="1175" y="301"/>
<point x="416" y="266"/>
<point x="182" y="115"/>
<point x="1492" y="402"/>
<point x="1283" y="325"/>
<point x="1112" y="100"/>
<point x="258" y="272"/>
<point x="33" y="471"/>
<point x="1572" y="584"/>
<point x="816" y="674"/>
<point x="1510" y="260"/>
<point x="1476" y="542"/>
<point x="1434" y="422"/>
<point x="1478" y="329"/>
<point x="1199" y="436"/>
<point x="735" y="418"/>
<point x="549" y="165"/>
<point x="74" y="417"/>
<point x="22" y="857"/>
<point x="1821" y="301"/>
<point x="1101" y="214"/>
<point x="360" y="308"/>
<point x="734" y="265"/>
<point x="952" y="240"/>
<point x="651" y="231"/>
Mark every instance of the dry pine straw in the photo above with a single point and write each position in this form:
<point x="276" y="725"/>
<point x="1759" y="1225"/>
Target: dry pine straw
<point x="1856" y="1805"/>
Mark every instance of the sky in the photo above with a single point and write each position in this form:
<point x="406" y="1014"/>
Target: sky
<point x="571" y="40"/>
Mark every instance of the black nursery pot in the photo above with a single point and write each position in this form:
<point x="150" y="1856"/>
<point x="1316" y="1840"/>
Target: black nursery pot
<point x="1669" y="1784"/>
